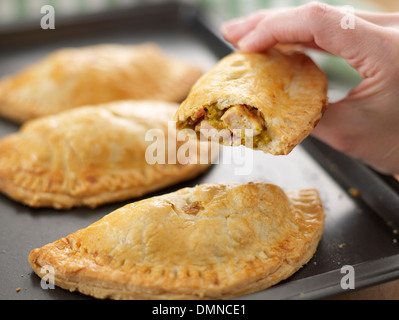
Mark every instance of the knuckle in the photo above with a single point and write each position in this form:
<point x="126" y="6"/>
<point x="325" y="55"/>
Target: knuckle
<point x="258" y="15"/>
<point x="316" y="11"/>
<point x="318" y="17"/>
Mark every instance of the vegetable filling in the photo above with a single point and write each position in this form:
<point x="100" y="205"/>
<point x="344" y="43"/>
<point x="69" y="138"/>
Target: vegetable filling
<point x="242" y="123"/>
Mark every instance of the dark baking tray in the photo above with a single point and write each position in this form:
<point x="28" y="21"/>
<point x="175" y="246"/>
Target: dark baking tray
<point x="380" y="192"/>
<point x="355" y="234"/>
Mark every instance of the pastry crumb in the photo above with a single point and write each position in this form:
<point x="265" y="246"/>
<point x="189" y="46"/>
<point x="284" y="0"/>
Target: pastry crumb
<point x="18" y="289"/>
<point x="354" y="192"/>
<point x="193" y="208"/>
<point x="341" y="245"/>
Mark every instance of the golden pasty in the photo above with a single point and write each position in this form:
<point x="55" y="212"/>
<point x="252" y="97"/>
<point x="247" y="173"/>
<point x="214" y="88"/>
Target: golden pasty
<point x="94" y="155"/>
<point x="267" y="101"/>
<point x="74" y="77"/>
<point x="213" y="241"/>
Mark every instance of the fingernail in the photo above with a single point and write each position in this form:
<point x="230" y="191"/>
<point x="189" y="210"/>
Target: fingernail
<point x="230" y="26"/>
<point x="225" y="29"/>
<point x="233" y="22"/>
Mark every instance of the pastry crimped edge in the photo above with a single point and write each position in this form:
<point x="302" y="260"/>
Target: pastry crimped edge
<point x="103" y="282"/>
<point x="64" y="201"/>
<point x="309" y="103"/>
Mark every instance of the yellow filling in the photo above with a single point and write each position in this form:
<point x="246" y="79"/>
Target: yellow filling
<point x="262" y="139"/>
<point x="213" y="115"/>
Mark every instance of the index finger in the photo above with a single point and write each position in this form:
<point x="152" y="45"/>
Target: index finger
<point x="236" y="29"/>
<point x="323" y="26"/>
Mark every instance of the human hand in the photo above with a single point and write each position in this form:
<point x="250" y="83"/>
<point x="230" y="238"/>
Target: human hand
<point x="365" y="124"/>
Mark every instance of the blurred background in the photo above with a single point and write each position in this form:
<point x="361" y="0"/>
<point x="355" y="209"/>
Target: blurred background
<point x="14" y="11"/>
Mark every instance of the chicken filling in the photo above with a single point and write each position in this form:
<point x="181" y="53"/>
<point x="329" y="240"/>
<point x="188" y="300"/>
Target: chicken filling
<point x="241" y="123"/>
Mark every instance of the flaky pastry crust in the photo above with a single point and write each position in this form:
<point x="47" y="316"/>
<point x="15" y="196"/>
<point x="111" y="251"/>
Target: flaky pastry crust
<point x="94" y="155"/>
<point x="74" y="77"/>
<point x="213" y="241"/>
<point x="285" y="91"/>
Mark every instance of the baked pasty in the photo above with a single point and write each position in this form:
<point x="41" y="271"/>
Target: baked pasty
<point x="94" y="155"/>
<point x="74" y="77"/>
<point x="267" y="101"/>
<point x="213" y="241"/>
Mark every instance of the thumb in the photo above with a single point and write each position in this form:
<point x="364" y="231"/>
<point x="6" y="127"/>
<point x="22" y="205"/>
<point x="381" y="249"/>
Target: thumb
<point x="359" y="129"/>
<point x="352" y="124"/>
<point x="333" y="129"/>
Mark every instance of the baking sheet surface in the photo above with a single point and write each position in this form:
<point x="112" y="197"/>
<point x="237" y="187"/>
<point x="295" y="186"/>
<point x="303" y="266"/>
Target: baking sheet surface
<point x="353" y="234"/>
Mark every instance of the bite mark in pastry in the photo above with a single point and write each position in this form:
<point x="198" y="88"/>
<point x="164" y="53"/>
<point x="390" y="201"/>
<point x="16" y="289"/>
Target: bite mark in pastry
<point x="94" y="155"/>
<point x="267" y="101"/>
<point x="213" y="241"/>
<point x="74" y="77"/>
